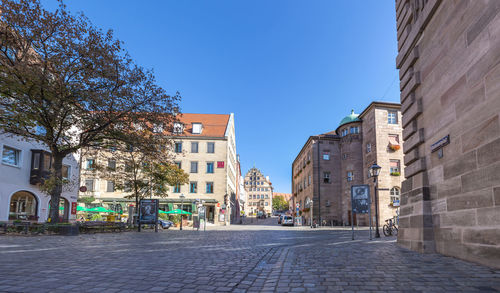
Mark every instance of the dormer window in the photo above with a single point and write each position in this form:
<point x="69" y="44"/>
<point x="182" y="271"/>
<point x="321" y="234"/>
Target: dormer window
<point x="197" y="128"/>
<point x="157" y="128"/>
<point x="178" y="128"/>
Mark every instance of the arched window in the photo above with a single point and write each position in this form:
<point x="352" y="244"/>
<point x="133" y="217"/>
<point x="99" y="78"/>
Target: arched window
<point x="23" y="206"/>
<point x="395" y="194"/>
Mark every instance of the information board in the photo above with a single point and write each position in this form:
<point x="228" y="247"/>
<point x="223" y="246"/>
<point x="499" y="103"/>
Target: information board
<point x="360" y="199"/>
<point x="148" y="211"/>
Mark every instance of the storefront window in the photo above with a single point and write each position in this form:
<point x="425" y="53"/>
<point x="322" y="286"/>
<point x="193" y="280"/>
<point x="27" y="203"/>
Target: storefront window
<point x="23" y="206"/>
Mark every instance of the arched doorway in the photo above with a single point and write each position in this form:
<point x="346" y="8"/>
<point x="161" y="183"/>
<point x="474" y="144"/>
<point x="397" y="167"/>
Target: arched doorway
<point x="23" y="206"/>
<point x="63" y="209"/>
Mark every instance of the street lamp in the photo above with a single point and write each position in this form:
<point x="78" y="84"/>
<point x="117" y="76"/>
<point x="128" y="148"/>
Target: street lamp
<point x="374" y="172"/>
<point x="182" y="206"/>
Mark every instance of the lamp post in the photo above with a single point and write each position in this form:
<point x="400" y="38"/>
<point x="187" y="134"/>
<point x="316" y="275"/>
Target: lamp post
<point x="374" y="172"/>
<point x="182" y="206"/>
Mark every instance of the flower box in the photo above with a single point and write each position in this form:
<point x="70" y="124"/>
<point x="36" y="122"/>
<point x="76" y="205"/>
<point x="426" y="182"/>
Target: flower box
<point x="395" y="174"/>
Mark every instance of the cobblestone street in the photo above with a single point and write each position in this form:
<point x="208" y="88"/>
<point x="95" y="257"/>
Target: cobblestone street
<point x="247" y="258"/>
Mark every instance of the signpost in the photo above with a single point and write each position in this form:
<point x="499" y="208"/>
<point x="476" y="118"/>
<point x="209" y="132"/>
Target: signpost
<point x="148" y="212"/>
<point x="360" y="204"/>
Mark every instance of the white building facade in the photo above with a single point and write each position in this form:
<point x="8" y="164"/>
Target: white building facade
<point x="21" y="167"/>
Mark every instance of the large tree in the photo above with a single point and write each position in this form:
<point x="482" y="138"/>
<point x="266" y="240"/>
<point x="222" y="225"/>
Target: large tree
<point x="63" y="76"/>
<point x="279" y="203"/>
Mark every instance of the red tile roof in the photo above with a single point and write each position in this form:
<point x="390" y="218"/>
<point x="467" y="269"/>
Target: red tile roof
<point x="214" y="125"/>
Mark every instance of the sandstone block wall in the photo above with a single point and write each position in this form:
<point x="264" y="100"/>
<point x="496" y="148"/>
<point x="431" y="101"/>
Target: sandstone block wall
<point x="449" y="62"/>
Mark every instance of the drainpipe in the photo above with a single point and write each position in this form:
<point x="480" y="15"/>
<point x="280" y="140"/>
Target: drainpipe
<point x="319" y="185"/>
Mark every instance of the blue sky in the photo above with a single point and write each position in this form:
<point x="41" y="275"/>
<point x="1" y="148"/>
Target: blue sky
<point x="288" y="69"/>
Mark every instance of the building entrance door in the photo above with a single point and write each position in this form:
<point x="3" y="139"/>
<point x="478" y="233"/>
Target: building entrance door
<point x="210" y="214"/>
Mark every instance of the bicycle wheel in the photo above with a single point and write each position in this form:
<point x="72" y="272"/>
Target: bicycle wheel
<point x="394" y="231"/>
<point x="386" y="230"/>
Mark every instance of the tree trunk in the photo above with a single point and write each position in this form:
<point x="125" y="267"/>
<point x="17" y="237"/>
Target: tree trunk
<point x="55" y="193"/>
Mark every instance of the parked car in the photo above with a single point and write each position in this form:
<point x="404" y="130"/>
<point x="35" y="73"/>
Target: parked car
<point x="287" y="221"/>
<point x="165" y="224"/>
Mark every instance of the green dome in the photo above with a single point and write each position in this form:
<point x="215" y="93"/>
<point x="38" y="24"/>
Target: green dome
<point x="350" y="118"/>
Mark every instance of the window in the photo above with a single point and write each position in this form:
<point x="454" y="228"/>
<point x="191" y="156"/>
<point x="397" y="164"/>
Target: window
<point x="368" y="147"/>
<point x="344" y="156"/>
<point x="90" y="164"/>
<point x="197" y="127"/>
<point x="210" y="167"/>
<point x="36" y="161"/>
<point x="178" y="147"/>
<point x="194" y="167"/>
<point x="211" y="147"/>
<point x="127" y="186"/>
<point x="11" y="156"/>
<point x="178" y="128"/>
<point x="266" y="203"/>
<point x="66" y="172"/>
<point x="128" y="167"/>
<point x="394" y="167"/>
<point x="157" y="128"/>
<point x="350" y="176"/>
<point x="178" y="164"/>
<point x="309" y="180"/>
<point x="308" y="156"/>
<point x="254" y="196"/>
<point x="258" y="196"/>
<point x="210" y="187"/>
<point x="112" y="165"/>
<point x="354" y="129"/>
<point x="326" y="177"/>
<point x="392" y="117"/>
<point x="193" y="187"/>
<point x="267" y="196"/>
<point x="395" y="193"/>
<point x="326" y="155"/>
<point x="110" y="186"/>
<point x="344" y="132"/>
<point x="89" y="183"/>
<point x="177" y="188"/>
<point x="194" y="147"/>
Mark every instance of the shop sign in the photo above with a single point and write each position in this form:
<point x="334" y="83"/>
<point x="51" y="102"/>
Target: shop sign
<point x="73" y="208"/>
<point x="220" y="164"/>
<point x="223" y="206"/>
<point x="218" y="204"/>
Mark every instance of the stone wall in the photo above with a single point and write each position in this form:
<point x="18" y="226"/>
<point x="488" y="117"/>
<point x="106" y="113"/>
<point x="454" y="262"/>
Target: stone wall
<point x="449" y="62"/>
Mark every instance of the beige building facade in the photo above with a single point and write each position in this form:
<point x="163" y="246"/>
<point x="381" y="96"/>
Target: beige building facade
<point x="449" y="68"/>
<point x="259" y="190"/>
<point x="205" y="148"/>
<point x="329" y="164"/>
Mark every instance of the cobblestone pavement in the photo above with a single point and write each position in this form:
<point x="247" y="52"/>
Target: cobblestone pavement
<point x="237" y="258"/>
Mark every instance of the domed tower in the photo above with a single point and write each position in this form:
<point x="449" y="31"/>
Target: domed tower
<point x="351" y="156"/>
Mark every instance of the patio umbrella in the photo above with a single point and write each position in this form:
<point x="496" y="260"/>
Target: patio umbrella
<point x="82" y="209"/>
<point x="100" y="210"/>
<point x="161" y="212"/>
<point x="178" y="212"/>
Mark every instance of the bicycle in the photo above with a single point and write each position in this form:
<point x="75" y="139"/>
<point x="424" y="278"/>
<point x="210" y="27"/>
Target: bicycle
<point x="390" y="228"/>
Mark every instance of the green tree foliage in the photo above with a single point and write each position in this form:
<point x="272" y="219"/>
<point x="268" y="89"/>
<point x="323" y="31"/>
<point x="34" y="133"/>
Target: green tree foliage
<point x="70" y="86"/>
<point x="279" y="203"/>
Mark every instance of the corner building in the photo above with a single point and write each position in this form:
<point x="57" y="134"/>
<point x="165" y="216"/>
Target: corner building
<point x="330" y="163"/>
<point x="449" y="67"/>
<point x="205" y="148"/>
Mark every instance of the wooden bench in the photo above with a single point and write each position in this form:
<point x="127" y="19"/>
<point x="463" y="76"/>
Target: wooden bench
<point x="101" y="226"/>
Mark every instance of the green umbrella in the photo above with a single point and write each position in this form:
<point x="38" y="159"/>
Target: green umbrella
<point x="82" y="209"/>
<point x="177" y="212"/>
<point x="100" y="210"/>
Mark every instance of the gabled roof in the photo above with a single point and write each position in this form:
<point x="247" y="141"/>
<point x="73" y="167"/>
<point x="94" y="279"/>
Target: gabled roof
<point x="214" y="125"/>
